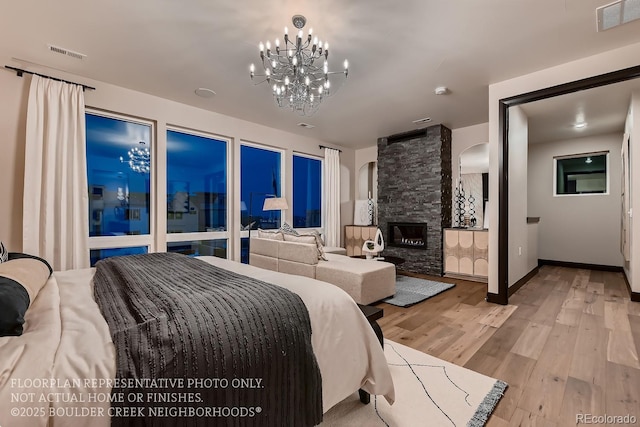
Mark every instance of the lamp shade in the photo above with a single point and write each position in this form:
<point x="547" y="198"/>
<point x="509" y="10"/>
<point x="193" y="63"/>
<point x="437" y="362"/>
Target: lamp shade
<point x="275" y="204"/>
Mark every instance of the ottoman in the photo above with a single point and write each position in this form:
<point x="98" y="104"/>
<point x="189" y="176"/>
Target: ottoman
<point x="367" y="281"/>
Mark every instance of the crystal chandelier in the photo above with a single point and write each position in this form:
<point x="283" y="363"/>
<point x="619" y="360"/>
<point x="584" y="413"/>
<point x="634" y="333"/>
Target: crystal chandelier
<point x="298" y="70"/>
<point x="139" y="158"/>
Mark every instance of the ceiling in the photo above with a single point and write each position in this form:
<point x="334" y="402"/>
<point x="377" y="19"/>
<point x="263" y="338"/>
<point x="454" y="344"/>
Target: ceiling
<point x="398" y="53"/>
<point x="603" y="110"/>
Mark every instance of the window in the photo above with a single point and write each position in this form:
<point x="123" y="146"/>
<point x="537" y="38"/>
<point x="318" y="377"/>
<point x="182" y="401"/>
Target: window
<point x="119" y="157"/>
<point x="98" y="254"/>
<point x="196" y="183"/>
<point x="197" y="188"/>
<point x="583" y="174"/>
<point x="307" y="192"/>
<point x="260" y="177"/>
<point x="217" y="248"/>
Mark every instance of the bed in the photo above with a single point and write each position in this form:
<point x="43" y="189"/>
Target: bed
<point x="60" y="371"/>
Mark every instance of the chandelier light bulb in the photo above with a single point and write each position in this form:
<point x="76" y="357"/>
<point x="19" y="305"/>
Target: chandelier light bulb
<point x="346" y="64"/>
<point x="299" y="73"/>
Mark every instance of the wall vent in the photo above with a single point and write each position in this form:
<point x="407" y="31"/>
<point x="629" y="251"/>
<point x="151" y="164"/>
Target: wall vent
<point x="66" y="52"/>
<point x="617" y="13"/>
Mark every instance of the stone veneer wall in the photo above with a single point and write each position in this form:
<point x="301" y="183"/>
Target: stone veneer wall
<point x="414" y="185"/>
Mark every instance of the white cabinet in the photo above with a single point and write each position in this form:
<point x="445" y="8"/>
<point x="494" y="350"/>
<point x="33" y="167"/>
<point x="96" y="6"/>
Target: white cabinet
<point x="466" y="253"/>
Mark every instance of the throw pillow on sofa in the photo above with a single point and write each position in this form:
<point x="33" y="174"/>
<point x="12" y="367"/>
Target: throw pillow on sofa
<point x="307" y="238"/>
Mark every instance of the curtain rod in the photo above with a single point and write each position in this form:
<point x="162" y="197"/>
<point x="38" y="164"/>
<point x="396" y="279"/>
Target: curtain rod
<point x="20" y="72"/>
<point x="324" y="146"/>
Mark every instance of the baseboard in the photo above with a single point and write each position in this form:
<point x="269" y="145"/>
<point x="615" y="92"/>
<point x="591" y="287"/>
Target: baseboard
<point x="635" y="296"/>
<point x="513" y="288"/>
<point x="568" y="264"/>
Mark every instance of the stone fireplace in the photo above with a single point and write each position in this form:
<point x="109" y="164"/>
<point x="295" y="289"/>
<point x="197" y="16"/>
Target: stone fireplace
<point x="414" y="196"/>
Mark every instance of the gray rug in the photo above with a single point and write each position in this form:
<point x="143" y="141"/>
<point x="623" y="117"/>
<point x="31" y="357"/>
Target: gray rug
<point x="411" y="290"/>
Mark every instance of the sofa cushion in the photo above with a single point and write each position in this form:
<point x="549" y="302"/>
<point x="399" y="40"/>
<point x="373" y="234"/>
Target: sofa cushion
<point x="300" y="239"/>
<point x="302" y="252"/>
<point x="270" y="234"/>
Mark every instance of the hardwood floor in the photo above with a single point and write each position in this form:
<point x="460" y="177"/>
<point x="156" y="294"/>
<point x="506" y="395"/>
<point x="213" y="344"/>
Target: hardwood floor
<point x="566" y="344"/>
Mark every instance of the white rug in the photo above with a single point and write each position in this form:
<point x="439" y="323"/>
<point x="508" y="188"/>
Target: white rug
<point x="429" y="392"/>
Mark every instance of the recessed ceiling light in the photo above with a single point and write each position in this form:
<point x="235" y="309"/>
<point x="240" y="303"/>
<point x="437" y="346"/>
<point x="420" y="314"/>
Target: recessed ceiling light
<point x="204" y="92"/>
<point x="441" y="90"/>
<point x="580" y="125"/>
<point x="425" y="120"/>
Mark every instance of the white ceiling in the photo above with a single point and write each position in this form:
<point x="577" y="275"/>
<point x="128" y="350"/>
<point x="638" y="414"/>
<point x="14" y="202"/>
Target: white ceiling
<point x="603" y="109"/>
<point x="398" y="53"/>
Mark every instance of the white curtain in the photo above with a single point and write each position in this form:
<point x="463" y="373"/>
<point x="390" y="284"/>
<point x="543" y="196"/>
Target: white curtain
<point x="331" y="190"/>
<point x="55" y="219"/>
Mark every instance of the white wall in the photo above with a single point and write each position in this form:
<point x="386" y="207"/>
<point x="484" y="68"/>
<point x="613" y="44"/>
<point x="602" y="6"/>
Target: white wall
<point x="586" y="67"/>
<point x="580" y="228"/>
<point x="518" y="230"/>
<point x="633" y="269"/>
<point x="164" y="112"/>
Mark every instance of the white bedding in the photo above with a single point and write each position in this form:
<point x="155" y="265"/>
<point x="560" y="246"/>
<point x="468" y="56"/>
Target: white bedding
<point x="66" y="339"/>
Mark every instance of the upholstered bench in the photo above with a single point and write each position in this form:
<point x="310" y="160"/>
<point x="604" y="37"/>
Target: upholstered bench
<point x="367" y="281"/>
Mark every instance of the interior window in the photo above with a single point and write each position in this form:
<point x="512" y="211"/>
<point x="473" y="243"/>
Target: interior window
<point x="583" y="174"/>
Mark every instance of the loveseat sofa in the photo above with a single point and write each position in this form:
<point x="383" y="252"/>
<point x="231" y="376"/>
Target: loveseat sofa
<point x="367" y="281"/>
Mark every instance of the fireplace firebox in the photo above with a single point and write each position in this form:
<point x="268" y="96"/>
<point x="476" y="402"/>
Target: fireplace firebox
<point x="408" y="235"/>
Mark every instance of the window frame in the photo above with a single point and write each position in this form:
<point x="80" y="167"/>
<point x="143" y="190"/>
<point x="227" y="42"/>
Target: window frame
<point x="320" y="229"/>
<point x="202" y="235"/>
<point x="127" y="241"/>
<point x="605" y="153"/>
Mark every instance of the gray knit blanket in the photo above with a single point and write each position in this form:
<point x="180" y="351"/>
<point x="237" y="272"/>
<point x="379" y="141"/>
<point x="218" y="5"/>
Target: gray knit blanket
<point x="204" y="346"/>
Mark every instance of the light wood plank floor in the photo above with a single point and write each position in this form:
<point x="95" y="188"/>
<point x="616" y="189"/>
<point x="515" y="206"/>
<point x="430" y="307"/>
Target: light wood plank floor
<point x="566" y="344"/>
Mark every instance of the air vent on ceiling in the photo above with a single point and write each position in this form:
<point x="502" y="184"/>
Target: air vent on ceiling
<point x="406" y="136"/>
<point x="617" y="13"/>
<point x="306" y="125"/>
<point x="419" y="121"/>
<point x="67" y="52"/>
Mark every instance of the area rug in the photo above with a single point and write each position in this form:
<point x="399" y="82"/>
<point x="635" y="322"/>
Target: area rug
<point x="429" y="392"/>
<point x="412" y="290"/>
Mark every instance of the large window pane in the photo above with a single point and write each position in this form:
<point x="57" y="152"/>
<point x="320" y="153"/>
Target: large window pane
<point x="217" y="248"/>
<point x="196" y="183"/>
<point x="98" y="254"/>
<point x="259" y="179"/>
<point x="307" y="199"/>
<point x="118" y="183"/>
<point x="581" y="174"/>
